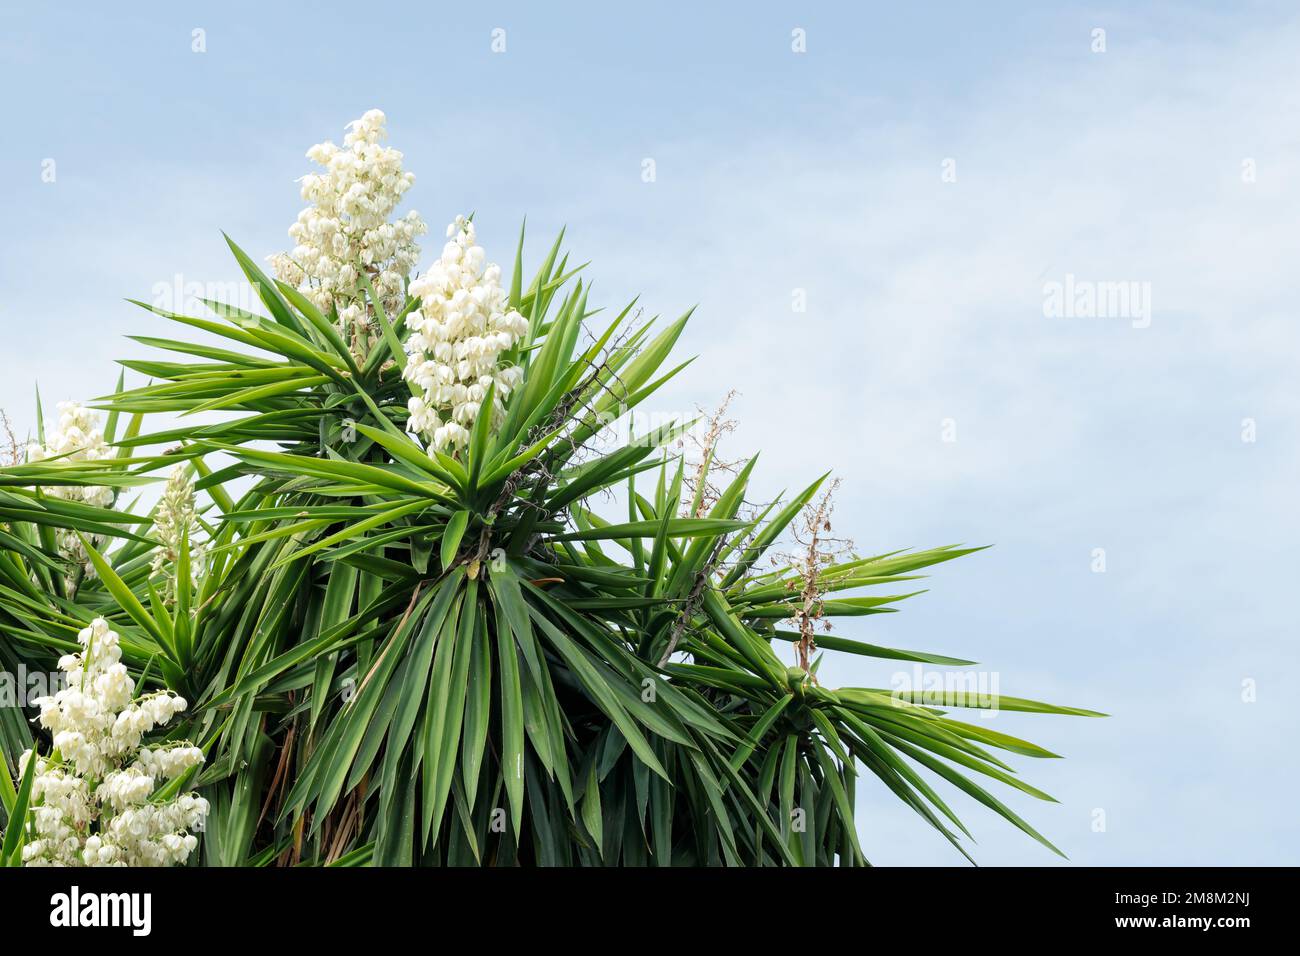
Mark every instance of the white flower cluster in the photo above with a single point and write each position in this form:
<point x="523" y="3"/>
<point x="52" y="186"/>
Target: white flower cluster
<point x="78" y="437"/>
<point x="91" y="796"/>
<point x="346" y="229"/>
<point x="457" y="336"/>
<point x="173" y="520"/>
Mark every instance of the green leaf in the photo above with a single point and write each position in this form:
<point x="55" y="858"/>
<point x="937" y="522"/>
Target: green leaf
<point x="591" y="815"/>
<point x="674" y="527"/>
<point x="126" y="599"/>
<point x="265" y="288"/>
<point x="452" y="536"/>
<point x="512" y="718"/>
<point x="11" y="849"/>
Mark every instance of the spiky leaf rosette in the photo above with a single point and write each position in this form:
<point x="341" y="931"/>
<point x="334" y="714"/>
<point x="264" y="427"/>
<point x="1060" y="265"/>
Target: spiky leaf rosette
<point x="407" y="655"/>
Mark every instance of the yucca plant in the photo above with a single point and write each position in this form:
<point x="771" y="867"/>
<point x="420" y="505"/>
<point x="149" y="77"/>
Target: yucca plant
<point x="536" y="647"/>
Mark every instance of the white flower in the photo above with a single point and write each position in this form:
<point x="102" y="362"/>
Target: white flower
<point x="124" y="788"/>
<point x="92" y="797"/>
<point x="169" y="763"/>
<point x="457" y="336"/>
<point x="346" y="229"/>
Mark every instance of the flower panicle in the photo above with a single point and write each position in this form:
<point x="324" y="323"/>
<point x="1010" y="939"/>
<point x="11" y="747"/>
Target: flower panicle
<point x="92" y="797"/>
<point x="174" y="524"/>
<point x="77" y="437"/>
<point x="457" y="336"/>
<point x="347" y="232"/>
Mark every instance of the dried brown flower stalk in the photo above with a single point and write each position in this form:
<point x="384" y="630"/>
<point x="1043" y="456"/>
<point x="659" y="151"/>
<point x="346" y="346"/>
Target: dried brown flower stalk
<point x="697" y="485"/>
<point x="11" y="452"/>
<point x="818" y="549"/>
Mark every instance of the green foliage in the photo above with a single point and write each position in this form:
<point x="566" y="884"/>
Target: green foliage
<point x="401" y="657"/>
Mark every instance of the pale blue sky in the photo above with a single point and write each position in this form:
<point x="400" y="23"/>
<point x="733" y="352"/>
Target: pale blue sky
<point x="820" y="171"/>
